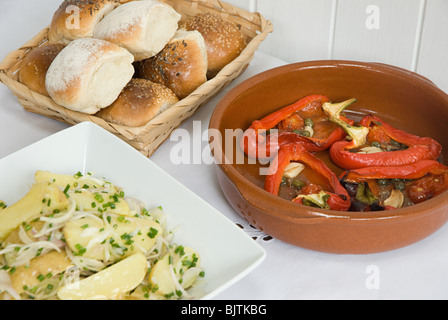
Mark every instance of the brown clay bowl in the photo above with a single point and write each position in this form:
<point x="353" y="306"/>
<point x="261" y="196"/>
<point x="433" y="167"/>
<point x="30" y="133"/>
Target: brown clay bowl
<point x="400" y="97"/>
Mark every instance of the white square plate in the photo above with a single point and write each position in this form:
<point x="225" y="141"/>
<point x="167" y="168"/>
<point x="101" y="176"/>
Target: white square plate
<point x="227" y="252"/>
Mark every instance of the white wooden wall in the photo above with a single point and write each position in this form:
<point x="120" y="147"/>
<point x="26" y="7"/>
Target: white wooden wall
<point x="412" y="34"/>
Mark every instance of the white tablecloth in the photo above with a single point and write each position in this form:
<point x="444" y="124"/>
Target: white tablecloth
<point x="418" y="271"/>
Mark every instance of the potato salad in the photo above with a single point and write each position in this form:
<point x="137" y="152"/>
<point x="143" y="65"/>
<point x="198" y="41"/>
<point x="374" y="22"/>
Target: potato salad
<point x="79" y="237"/>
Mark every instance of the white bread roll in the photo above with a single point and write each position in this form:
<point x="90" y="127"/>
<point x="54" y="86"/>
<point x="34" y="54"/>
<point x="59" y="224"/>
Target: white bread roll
<point x="76" y="19"/>
<point x="143" y="27"/>
<point x="223" y="39"/>
<point x="139" y="102"/>
<point x="89" y="74"/>
<point x="180" y="66"/>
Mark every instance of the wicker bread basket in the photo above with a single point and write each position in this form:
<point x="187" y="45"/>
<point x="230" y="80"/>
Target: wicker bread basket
<point x="149" y="137"/>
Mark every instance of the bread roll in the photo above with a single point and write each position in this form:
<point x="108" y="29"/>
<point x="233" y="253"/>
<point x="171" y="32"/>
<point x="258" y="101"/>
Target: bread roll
<point x="76" y="19"/>
<point x="139" y="102"/>
<point x="89" y="74"/>
<point x="143" y="27"/>
<point x="181" y="65"/>
<point x="223" y="39"/>
<point x="34" y="67"/>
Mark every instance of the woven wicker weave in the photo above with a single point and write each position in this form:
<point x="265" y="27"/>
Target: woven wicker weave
<point x="149" y="137"/>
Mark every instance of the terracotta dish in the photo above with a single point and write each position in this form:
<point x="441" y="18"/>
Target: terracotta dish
<point x="400" y="97"/>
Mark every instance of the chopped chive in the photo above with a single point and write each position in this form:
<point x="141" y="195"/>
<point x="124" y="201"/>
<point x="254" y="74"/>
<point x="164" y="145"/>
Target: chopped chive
<point x="81" y="250"/>
<point x="152" y="232"/>
<point x="99" y="198"/>
<point x="169" y="295"/>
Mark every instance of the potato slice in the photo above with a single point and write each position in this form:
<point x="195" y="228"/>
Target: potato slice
<point x="41" y="199"/>
<point x="89" y="236"/>
<point x="143" y="292"/>
<point x="52" y="263"/>
<point x="14" y="237"/>
<point x="106" y="198"/>
<point x="63" y="180"/>
<point x="110" y="283"/>
<point x="88" y="201"/>
<point x="85" y="234"/>
<point x="174" y="264"/>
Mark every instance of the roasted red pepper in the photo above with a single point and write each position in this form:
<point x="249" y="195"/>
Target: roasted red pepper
<point x="368" y="141"/>
<point x="311" y="194"/>
<point x="387" y="168"/>
<point x="292" y="128"/>
<point x="417" y="182"/>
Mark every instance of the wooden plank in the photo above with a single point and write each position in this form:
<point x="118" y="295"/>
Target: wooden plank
<point x="433" y="56"/>
<point x="377" y="31"/>
<point x="243" y="4"/>
<point x="301" y="28"/>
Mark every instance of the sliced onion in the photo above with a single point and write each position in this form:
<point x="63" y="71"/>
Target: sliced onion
<point x="191" y="274"/>
<point x="84" y="263"/>
<point x="176" y="283"/>
<point x="29" y="251"/>
<point x="6" y="285"/>
<point x="23" y="236"/>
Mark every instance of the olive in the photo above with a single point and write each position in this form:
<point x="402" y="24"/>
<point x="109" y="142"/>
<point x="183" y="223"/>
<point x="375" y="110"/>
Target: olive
<point x="383" y="182"/>
<point x="357" y="206"/>
<point x="296" y="183"/>
<point x="302" y="133"/>
<point x="309" y="122"/>
<point x="376" y="144"/>
<point x="350" y="187"/>
<point x="399" y="184"/>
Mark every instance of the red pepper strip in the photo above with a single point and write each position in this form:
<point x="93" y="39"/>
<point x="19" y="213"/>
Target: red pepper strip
<point x="431" y="177"/>
<point x="258" y="146"/>
<point x="434" y="148"/>
<point x="274" y="118"/>
<point x="336" y="200"/>
<point x="419" y="148"/>
<point x="313" y="144"/>
<point x="411" y="171"/>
